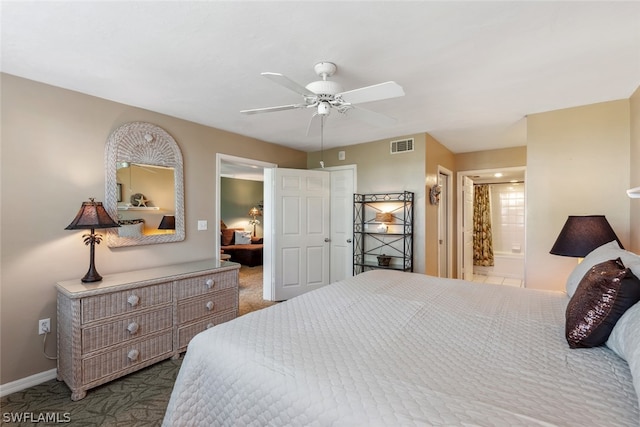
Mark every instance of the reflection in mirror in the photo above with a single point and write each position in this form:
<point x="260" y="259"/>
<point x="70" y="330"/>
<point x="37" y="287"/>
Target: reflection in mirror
<point x="144" y="184"/>
<point x="146" y="195"/>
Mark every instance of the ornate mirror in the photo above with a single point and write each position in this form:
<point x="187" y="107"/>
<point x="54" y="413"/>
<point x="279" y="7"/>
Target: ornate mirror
<point x="144" y="186"/>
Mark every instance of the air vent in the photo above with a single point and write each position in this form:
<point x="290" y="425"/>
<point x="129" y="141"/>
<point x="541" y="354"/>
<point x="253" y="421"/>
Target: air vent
<point x="401" y="146"/>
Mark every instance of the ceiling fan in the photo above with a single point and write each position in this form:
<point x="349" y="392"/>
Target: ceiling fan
<point x="325" y="95"/>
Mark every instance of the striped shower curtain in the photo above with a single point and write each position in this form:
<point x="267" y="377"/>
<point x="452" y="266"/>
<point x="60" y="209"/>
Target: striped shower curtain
<point x="482" y="238"/>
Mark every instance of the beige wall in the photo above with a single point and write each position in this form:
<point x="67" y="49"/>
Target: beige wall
<point x="380" y="171"/>
<point x="53" y="144"/>
<point x="577" y="164"/>
<point x="492" y="159"/>
<point x="634" y="158"/>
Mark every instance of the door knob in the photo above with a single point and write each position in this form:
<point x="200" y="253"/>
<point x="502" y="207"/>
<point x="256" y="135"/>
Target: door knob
<point x="348" y="240"/>
<point x="326" y="239"/>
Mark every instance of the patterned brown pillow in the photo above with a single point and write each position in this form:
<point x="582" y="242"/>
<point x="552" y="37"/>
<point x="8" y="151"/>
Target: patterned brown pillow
<point x="227" y="237"/>
<point x="603" y="295"/>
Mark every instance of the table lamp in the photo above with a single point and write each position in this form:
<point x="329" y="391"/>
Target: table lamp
<point x="92" y="215"/>
<point x="254" y="212"/>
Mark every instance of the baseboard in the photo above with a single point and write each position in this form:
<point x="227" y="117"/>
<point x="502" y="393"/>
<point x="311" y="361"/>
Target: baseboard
<point x="27" y="382"/>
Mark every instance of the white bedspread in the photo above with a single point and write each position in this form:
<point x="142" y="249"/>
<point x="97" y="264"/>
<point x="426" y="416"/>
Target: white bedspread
<point x="394" y="349"/>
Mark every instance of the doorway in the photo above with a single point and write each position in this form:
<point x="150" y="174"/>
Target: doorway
<point x="239" y="168"/>
<point x="504" y="193"/>
<point x="342" y="185"/>
<point x="445" y="222"/>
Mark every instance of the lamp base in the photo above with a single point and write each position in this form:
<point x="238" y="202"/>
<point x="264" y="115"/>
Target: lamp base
<point x="91" y="276"/>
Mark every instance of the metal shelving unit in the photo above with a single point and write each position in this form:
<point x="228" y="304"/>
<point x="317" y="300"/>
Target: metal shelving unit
<point x="383" y="225"/>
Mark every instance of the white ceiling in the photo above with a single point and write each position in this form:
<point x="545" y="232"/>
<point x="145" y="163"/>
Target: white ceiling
<point x="471" y="70"/>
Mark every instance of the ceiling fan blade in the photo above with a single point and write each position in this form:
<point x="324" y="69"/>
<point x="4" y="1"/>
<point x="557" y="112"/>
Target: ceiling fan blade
<point x="377" y="92"/>
<point x="272" y="109"/>
<point x="370" y="117"/>
<point x="285" y="81"/>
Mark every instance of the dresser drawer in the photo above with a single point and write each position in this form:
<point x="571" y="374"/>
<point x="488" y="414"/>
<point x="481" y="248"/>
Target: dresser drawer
<point x="200" y="285"/>
<point x="126" y="329"/>
<point x="187" y="332"/>
<point x="115" y="303"/>
<point x="129" y="320"/>
<point x="207" y="305"/>
<point x="110" y="363"/>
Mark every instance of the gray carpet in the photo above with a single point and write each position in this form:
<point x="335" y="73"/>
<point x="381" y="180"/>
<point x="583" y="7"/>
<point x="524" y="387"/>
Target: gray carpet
<point x="251" y="290"/>
<point x="139" y="399"/>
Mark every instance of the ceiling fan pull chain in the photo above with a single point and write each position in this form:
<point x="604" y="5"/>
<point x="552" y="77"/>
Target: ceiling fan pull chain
<point x="322" y="141"/>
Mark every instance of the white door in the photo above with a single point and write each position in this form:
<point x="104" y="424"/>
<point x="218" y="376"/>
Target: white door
<point x="467" y="228"/>
<point x="297" y="227"/>
<point x="342" y="189"/>
<point x="443" y="226"/>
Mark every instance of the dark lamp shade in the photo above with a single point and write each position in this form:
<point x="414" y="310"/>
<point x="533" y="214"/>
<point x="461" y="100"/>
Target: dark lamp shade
<point x="92" y="215"/>
<point x="582" y="234"/>
<point x="168" y="223"/>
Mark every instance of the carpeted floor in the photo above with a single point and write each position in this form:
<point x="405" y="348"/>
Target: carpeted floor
<point x="139" y="399"/>
<point x="251" y="290"/>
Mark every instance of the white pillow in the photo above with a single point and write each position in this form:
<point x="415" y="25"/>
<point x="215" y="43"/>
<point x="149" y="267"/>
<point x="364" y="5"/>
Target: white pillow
<point x="625" y="342"/>
<point x="131" y="230"/>
<point x="242" y="237"/>
<point x="606" y="252"/>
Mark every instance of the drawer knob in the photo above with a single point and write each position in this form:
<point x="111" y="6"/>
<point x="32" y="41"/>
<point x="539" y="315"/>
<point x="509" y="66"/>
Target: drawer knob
<point x="210" y="305"/>
<point x="209" y="283"/>
<point x="133" y="328"/>
<point x="133" y="300"/>
<point x="210" y="325"/>
<point x="133" y="355"/>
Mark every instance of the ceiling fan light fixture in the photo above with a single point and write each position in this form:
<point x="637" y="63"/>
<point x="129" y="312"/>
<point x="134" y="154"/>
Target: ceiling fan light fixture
<point x="324" y="108"/>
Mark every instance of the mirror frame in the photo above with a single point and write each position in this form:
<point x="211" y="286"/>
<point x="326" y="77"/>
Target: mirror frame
<point x="144" y="143"/>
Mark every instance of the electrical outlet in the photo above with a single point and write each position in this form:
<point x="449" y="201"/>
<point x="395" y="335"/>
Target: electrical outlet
<point x="44" y="326"/>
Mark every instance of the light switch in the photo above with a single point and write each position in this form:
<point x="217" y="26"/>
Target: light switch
<point x="202" y="224"/>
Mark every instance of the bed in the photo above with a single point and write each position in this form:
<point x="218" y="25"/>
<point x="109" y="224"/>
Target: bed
<point x="388" y="348"/>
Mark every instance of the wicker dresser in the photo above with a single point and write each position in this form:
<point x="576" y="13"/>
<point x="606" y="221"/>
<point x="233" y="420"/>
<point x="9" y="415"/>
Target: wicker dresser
<point x="131" y="320"/>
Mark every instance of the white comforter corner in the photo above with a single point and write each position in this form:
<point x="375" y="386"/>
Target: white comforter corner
<point x="388" y="348"/>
